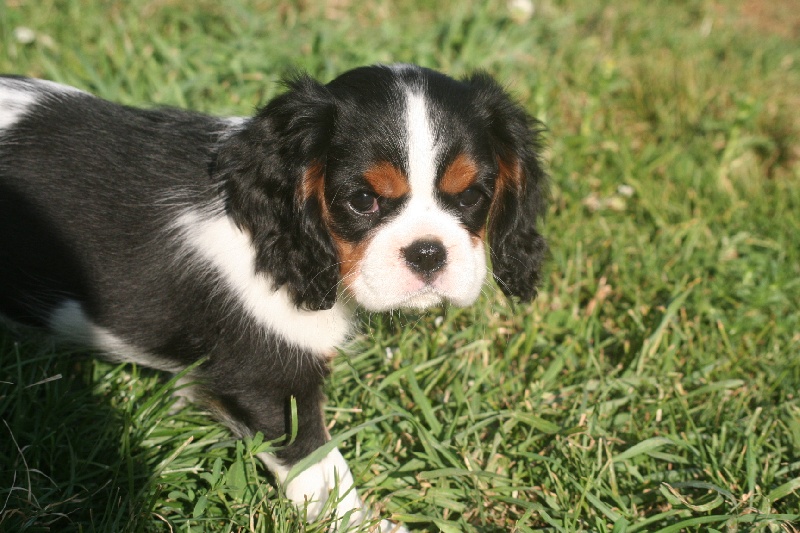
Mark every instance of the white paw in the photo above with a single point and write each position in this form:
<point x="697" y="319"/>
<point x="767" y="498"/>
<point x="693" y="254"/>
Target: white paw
<point x="312" y="488"/>
<point x="390" y="527"/>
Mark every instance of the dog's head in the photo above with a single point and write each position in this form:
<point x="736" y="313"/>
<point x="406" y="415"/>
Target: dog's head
<point x="384" y="183"/>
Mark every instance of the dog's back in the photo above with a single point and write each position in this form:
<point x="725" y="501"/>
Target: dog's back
<point x="93" y="238"/>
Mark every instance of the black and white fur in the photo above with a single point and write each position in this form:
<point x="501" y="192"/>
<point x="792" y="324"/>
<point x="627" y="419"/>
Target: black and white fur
<point x="164" y="236"/>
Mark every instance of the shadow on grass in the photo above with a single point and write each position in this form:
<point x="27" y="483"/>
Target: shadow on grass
<point x="67" y="454"/>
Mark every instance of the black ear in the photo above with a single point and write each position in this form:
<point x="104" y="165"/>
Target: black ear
<point x="520" y="200"/>
<point x="264" y="169"/>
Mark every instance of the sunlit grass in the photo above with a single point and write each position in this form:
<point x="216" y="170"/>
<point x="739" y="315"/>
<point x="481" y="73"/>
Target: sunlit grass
<point x="651" y="387"/>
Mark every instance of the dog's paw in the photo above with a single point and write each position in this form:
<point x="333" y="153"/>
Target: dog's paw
<point x="313" y="487"/>
<point x="390" y="527"/>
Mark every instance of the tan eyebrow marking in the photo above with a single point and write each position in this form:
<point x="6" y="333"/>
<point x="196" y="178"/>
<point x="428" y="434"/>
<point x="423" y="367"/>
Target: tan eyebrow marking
<point x="459" y="175"/>
<point x="387" y="180"/>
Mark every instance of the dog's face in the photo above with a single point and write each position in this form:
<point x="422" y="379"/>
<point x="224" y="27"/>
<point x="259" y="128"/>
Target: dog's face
<point x="406" y="192"/>
<point x="384" y="184"/>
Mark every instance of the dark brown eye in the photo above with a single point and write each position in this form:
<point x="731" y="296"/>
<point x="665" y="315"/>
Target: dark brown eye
<point x="469" y="197"/>
<point x="364" y="203"/>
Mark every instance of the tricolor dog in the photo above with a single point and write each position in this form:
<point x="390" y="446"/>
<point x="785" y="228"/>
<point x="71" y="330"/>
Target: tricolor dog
<point x="165" y="237"/>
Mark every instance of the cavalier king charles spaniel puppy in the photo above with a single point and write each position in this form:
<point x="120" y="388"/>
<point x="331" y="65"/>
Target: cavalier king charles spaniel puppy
<point x="166" y="238"/>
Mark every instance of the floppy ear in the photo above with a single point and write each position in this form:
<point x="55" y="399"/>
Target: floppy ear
<point x="517" y="248"/>
<point x="264" y="170"/>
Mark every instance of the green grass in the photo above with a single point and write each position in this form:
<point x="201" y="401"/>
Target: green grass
<point x="654" y="384"/>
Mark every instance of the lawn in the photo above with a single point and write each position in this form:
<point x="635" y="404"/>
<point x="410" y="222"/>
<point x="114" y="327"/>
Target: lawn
<point x="654" y="385"/>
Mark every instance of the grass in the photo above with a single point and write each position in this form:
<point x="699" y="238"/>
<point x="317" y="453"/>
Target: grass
<point x="653" y="385"/>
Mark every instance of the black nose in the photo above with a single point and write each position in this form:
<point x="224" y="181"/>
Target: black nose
<point x="425" y="257"/>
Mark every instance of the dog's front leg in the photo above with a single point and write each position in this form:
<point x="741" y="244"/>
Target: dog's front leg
<point x="248" y="405"/>
<point x="329" y="478"/>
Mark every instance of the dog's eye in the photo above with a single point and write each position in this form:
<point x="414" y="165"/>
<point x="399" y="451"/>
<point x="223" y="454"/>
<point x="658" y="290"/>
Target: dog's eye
<point x="364" y="203"/>
<point x="469" y="197"/>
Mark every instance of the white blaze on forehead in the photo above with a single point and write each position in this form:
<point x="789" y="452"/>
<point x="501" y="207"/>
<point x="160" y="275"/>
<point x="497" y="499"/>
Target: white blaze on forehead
<point x="421" y="147"/>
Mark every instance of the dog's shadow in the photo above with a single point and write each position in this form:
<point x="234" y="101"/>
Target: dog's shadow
<point x="87" y="445"/>
<point x="62" y="460"/>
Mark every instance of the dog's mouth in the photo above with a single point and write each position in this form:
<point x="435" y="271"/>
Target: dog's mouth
<point x="427" y="296"/>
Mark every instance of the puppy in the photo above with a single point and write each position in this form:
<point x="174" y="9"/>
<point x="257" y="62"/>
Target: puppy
<point x="163" y="237"/>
